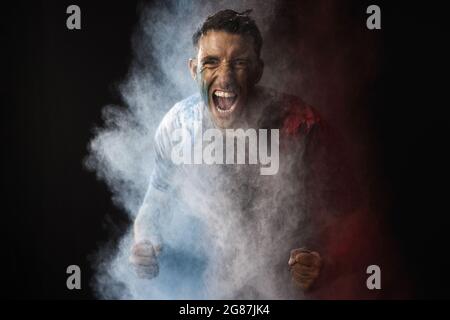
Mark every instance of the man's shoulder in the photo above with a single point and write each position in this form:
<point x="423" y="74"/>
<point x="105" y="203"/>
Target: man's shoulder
<point x="182" y="113"/>
<point x="299" y="116"/>
<point x="289" y="112"/>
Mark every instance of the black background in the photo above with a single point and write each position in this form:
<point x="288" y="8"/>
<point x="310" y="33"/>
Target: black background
<point x="55" y="213"/>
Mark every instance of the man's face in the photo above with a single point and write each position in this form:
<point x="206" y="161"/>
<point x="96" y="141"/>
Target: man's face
<point x="226" y="68"/>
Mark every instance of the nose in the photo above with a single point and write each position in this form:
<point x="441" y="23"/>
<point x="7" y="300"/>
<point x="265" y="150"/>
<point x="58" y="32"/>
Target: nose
<point x="226" y="77"/>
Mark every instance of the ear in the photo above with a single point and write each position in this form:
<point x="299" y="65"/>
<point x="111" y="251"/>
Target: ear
<point x="259" y="71"/>
<point x="193" y="68"/>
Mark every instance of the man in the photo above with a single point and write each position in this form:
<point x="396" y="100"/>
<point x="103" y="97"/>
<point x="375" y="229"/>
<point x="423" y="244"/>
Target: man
<point x="317" y="195"/>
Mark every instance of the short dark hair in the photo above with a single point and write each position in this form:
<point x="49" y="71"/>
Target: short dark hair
<point x="232" y="22"/>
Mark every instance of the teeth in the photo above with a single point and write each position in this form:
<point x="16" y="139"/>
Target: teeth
<point x="224" y="94"/>
<point x="223" y="111"/>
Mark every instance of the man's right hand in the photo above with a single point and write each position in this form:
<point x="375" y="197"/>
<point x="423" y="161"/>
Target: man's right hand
<point x="144" y="259"/>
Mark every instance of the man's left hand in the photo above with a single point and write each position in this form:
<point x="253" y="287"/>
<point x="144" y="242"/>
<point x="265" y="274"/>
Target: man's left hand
<point x="305" y="267"/>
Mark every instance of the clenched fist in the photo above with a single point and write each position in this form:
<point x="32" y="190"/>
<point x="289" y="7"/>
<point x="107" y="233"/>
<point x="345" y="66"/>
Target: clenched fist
<point x="144" y="259"/>
<point x="305" y="267"/>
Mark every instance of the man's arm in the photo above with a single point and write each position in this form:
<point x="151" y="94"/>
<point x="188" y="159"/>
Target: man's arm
<point x="333" y="203"/>
<point x="346" y="232"/>
<point x="148" y="242"/>
<point x="154" y="211"/>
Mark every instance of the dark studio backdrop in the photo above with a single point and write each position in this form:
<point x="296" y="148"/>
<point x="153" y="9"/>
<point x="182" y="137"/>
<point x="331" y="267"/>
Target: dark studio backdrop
<point x="55" y="82"/>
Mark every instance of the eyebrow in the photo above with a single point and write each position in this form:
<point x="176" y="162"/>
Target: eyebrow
<point x="240" y="57"/>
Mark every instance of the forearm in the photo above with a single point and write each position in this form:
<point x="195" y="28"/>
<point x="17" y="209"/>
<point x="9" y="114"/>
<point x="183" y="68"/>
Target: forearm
<point x="153" y="214"/>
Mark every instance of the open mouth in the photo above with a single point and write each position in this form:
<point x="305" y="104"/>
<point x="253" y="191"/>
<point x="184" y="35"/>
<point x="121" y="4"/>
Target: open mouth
<point x="224" y="101"/>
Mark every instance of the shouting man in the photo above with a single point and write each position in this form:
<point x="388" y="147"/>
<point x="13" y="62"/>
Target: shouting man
<point x="296" y="233"/>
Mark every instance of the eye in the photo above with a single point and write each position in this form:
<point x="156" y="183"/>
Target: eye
<point x="210" y="62"/>
<point x="240" y="63"/>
